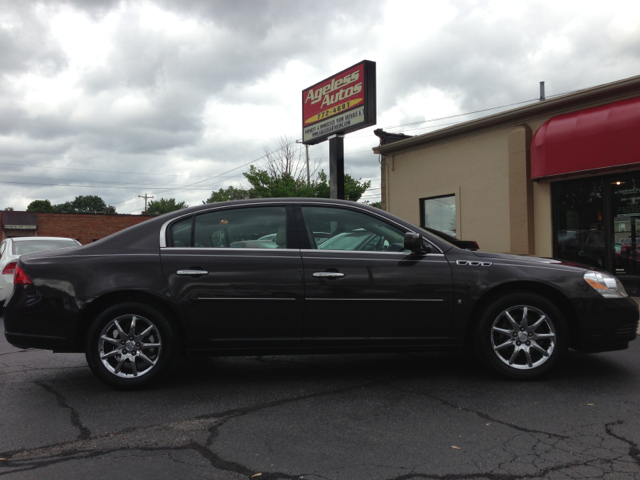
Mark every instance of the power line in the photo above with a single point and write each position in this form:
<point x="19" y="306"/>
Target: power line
<point x="92" y="170"/>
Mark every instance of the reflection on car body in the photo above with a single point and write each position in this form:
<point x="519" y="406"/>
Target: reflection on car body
<point x="12" y="248"/>
<point x="254" y="277"/>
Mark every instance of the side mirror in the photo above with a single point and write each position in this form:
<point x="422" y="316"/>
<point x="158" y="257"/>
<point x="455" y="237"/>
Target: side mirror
<point x="414" y="242"/>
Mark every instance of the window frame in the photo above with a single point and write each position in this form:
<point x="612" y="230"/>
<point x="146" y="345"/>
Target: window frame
<point x="166" y="239"/>
<point x="422" y="210"/>
<point x="304" y="236"/>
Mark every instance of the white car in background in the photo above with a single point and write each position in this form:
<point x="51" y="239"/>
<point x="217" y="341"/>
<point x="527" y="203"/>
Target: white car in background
<point x="12" y="248"/>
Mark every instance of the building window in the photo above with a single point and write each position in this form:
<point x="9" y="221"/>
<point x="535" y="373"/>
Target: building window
<point x="439" y="213"/>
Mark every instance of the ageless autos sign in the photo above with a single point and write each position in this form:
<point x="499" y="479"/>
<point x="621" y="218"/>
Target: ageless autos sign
<point x="341" y="104"/>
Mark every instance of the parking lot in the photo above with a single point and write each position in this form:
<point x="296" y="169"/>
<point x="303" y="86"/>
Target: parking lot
<point x="318" y="417"/>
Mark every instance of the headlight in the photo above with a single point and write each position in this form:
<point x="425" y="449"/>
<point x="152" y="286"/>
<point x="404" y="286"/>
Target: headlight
<point x="606" y="285"/>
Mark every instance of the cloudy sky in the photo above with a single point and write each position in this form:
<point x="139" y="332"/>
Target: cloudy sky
<point x="175" y="98"/>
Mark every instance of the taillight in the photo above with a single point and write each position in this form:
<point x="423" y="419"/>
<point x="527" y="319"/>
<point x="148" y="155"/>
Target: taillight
<point x="10" y="268"/>
<point x="21" y="278"/>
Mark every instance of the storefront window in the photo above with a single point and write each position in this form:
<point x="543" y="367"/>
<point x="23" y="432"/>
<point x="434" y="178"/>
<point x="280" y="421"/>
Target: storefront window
<point x="439" y="213"/>
<point x="597" y="222"/>
<point x="625" y="206"/>
<point x="580" y="222"/>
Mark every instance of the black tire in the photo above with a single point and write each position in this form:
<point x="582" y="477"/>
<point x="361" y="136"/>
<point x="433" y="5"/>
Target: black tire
<point x="126" y="358"/>
<point x="522" y="350"/>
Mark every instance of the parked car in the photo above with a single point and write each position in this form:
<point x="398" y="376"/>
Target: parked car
<point x="12" y="248"/>
<point x="466" y="244"/>
<point x="134" y="301"/>
<point x="584" y="246"/>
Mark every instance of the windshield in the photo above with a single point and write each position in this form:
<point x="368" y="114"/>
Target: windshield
<point x="23" y="247"/>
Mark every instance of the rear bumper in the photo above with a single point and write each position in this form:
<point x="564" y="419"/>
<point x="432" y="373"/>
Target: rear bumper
<point x="34" y="321"/>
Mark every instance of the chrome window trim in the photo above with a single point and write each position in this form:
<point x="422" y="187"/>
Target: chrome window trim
<point x="163" y="229"/>
<point x="248" y="298"/>
<point x="235" y="249"/>
<point x="230" y="256"/>
<point x="361" y="252"/>
<point x="377" y="299"/>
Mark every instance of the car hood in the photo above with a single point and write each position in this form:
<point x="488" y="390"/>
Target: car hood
<point x="532" y="260"/>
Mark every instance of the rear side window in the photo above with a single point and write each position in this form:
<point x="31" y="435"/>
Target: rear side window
<point x="254" y="227"/>
<point x="181" y="233"/>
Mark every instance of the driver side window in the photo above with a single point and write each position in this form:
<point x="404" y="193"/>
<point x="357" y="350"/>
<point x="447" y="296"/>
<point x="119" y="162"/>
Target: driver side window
<point x="331" y="228"/>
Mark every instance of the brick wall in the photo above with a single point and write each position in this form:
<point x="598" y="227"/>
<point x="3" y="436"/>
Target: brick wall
<point x="85" y="228"/>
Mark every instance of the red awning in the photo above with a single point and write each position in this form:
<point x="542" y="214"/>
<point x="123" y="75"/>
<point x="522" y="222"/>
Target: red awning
<point x="595" y="138"/>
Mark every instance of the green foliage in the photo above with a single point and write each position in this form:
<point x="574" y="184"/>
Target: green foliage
<point x="231" y="193"/>
<point x="266" y="185"/>
<point x="353" y="189"/>
<point x="41" y="206"/>
<point x="8" y="209"/>
<point x="374" y="204"/>
<point x="85" y="204"/>
<point x="162" y="206"/>
<point x="263" y="184"/>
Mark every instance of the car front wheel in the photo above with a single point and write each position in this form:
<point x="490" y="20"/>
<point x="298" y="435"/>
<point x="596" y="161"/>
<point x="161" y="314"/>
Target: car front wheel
<point x="129" y="345"/>
<point x="522" y="336"/>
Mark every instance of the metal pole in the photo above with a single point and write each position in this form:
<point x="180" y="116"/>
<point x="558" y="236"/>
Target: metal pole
<point x="336" y="166"/>
<point x="308" y="173"/>
<point x="145" y="201"/>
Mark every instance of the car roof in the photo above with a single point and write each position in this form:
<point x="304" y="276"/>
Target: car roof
<point x="22" y="239"/>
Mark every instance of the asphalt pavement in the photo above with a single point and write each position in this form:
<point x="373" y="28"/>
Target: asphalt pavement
<point x="435" y="416"/>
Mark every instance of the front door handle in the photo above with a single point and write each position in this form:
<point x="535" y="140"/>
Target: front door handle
<point x="328" y="275"/>
<point x="192" y="272"/>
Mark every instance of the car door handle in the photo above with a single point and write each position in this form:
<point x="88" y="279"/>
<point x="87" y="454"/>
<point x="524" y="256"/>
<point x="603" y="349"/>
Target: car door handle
<point x="328" y="275"/>
<point x="192" y="272"/>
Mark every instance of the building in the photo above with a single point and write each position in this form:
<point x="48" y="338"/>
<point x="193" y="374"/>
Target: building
<point x="84" y="227"/>
<point x="559" y="178"/>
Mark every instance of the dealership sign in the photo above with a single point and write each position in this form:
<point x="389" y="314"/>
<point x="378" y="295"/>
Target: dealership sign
<point x="340" y="104"/>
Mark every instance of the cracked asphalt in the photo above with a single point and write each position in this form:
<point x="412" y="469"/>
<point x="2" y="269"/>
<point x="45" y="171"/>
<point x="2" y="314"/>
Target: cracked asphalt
<point x="436" y="416"/>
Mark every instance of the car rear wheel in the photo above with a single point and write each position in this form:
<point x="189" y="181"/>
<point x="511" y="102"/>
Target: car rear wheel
<point x="129" y="345"/>
<point x="522" y="336"/>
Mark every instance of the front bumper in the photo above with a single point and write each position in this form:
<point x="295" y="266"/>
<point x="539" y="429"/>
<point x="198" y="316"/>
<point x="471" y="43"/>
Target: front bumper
<point x="607" y="324"/>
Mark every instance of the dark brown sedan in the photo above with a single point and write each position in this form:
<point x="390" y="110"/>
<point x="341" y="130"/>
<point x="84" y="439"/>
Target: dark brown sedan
<point x="284" y="276"/>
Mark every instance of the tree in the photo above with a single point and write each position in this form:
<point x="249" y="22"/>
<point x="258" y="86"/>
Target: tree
<point x="41" y="206"/>
<point x="231" y="193"/>
<point x="353" y="189"/>
<point x="159" y="207"/>
<point x="374" y="204"/>
<point x="285" y="175"/>
<point x="266" y="184"/>
<point x="8" y="209"/>
<point x="85" y="204"/>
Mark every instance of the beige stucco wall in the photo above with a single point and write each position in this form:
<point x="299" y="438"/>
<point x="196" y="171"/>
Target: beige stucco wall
<point x="483" y="171"/>
<point x="495" y="204"/>
<point x="475" y="169"/>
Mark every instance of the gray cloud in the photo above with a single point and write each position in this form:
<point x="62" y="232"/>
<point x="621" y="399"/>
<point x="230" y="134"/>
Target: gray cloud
<point x="145" y="109"/>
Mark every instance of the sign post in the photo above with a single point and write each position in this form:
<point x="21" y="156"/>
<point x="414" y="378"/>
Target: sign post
<point x="336" y="167"/>
<point x="340" y="104"/>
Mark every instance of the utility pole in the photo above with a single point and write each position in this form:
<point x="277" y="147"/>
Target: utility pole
<point x="146" y="197"/>
<point x="308" y="173"/>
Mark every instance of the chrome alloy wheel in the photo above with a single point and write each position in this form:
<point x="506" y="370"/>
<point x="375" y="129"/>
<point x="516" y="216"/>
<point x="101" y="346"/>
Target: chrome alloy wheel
<point x="129" y="346"/>
<point x="523" y="337"/>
